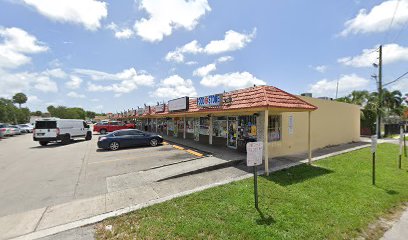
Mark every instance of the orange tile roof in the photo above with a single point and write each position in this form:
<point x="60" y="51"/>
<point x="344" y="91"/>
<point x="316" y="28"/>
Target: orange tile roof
<point x="247" y="98"/>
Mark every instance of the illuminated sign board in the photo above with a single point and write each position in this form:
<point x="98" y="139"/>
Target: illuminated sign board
<point x="179" y="104"/>
<point x="209" y="101"/>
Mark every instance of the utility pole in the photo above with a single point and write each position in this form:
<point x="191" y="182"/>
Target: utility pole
<point x="379" y="93"/>
<point x="337" y="88"/>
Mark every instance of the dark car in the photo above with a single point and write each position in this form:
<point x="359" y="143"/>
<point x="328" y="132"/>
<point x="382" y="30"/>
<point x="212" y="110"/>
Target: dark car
<point x="128" y="138"/>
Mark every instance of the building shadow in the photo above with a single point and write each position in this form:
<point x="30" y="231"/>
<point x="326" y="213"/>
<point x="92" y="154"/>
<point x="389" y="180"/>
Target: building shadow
<point x="297" y="174"/>
<point x="264" y="220"/>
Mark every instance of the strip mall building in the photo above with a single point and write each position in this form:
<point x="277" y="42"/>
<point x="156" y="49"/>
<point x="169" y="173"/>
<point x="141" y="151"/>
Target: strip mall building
<point x="287" y="124"/>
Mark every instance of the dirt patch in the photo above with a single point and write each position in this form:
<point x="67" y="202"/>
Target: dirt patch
<point x="377" y="229"/>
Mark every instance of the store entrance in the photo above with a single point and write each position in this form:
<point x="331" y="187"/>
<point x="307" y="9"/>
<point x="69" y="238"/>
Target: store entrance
<point x="232" y="132"/>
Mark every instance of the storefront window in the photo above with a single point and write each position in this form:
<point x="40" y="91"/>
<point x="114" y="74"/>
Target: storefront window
<point x="247" y="127"/>
<point x="274" y="128"/>
<point x="190" y="125"/>
<point x="220" y="127"/>
<point x="204" y="125"/>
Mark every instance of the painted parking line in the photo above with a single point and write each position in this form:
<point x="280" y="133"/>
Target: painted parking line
<point x="178" y="147"/>
<point x="195" y="153"/>
<point x="192" y="152"/>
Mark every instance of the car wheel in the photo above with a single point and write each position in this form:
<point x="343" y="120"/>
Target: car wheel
<point x="66" y="140"/>
<point x="103" y="131"/>
<point x="154" y="142"/>
<point x="88" y="136"/>
<point x="43" y="143"/>
<point x="114" y="146"/>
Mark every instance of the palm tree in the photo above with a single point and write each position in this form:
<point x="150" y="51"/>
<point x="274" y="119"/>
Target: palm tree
<point x="19" y="98"/>
<point x="392" y="101"/>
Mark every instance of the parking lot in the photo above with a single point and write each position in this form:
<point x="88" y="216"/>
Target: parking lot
<point x="33" y="176"/>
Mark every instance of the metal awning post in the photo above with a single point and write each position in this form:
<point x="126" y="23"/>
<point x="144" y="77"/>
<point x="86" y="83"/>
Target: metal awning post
<point x="309" y="138"/>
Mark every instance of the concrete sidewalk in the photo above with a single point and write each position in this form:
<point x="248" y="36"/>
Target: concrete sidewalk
<point x="129" y="192"/>
<point x="399" y="230"/>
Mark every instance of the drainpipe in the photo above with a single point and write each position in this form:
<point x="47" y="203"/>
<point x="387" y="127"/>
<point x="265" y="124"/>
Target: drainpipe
<point x="210" y="130"/>
<point x="265" y="140"/>
<point x="184" y="130"/>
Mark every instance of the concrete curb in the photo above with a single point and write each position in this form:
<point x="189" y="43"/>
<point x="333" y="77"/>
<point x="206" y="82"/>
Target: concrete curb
<point x="101" y="217"/>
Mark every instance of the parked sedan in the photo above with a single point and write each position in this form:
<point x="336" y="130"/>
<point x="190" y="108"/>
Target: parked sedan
<point x="17" y="129"/>
<point x="128" y="138"/>
<point x="3" y="130"/>
<point x="26" y="128"/>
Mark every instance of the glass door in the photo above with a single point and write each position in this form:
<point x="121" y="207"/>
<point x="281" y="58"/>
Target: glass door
<point x="232" y="132"/>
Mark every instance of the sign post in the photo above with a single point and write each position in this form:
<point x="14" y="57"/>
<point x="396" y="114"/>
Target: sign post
<point x="254" y="159"/>
<point x="401" y="140"/>
<point x="373" y="150"/>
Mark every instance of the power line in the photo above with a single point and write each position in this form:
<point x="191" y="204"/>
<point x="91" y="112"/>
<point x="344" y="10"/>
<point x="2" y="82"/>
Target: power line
<point x="397" y="79"/>
<point x="392" y="19"/>
<point x="352" y="58"/>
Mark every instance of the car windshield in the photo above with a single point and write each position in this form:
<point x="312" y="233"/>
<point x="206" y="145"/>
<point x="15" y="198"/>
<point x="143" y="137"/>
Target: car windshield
<point x="45" y="124"/>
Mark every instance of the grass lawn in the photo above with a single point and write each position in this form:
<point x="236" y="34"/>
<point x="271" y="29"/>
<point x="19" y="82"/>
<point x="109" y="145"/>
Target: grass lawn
<point x="333" y="199"/>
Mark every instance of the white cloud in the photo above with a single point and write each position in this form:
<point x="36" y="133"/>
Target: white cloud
<point x="75" y="95"/>
<point x="74" y="83"/>
<point x="178" y="55"/>
<point x="401" y="85"/>
<point x="129" y="80"/>
<point x="191" y="63"/>
<point x="391" y="53"/>
<point x="45" y="84"/>
<point x="16" y="44"/>
<point x="174" y="87"/>
<point x="232" y="41"/>
<point x="88" y="13"/>
<point x="378" y="19"/>
<point x="120" y="33"/>
<point x="205" y="70"/>
<point x="321" y="68"/>
<point x="347" y="83"/>
<point x="168" y="15"/>
<point x="11" y="83"/>
<point x="225" y="59"/>
<point x="233" y="80"/>
<point x="32" y="99"/>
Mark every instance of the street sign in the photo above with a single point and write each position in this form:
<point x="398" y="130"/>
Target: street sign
<point x="254" y="153"/>
<point x="254" y="159"/>
<point x="373" y="144"/>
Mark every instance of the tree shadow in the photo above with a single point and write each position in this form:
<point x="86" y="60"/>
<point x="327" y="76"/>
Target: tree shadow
<point x="389" y="191"/>
<point x="297" y="174"/>
<point x="264" y="220"/>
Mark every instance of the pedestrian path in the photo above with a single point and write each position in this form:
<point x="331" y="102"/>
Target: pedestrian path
<point x="399" y="230"/>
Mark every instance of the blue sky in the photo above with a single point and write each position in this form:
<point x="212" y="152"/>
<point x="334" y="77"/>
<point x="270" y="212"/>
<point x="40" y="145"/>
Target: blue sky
<point x="114" y="55"/>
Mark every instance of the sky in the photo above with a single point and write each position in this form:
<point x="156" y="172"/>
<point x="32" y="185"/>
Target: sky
<point x="111" y="56"/>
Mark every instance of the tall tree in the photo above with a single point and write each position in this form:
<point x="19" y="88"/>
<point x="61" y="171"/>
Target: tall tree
<point x="19" y="98"/>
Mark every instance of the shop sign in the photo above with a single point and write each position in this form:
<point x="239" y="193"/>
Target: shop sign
<point x="179" y="104"/>
<point x="159" y="108"/>
<point x="140" y="111"/>
<point x="209" y="101"/>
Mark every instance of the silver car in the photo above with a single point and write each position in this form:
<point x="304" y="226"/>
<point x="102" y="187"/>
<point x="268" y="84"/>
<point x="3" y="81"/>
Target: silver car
<point x="17" y="129"/>
<point x="26" y="128"/>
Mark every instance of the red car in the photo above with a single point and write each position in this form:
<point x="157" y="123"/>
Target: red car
<point x="104" y="127"/>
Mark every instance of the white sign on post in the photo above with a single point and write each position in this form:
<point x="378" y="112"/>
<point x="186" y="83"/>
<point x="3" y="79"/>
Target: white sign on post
<point x="373" y="144"/>
<point x="254" y="153"/>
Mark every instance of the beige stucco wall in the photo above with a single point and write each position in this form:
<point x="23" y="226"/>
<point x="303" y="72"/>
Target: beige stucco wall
<point x="332" y="123"/>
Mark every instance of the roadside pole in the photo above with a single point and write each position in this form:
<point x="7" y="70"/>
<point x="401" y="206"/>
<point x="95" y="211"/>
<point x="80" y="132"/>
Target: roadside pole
<point x="373" y="150"/>
<point x="254" y="159"/>
<point x="401" y="140"/>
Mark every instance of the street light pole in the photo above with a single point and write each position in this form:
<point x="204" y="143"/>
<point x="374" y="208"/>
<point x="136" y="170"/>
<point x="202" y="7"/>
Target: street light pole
<point x="379" y="93"/>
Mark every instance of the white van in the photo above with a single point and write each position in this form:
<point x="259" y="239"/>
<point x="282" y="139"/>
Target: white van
<point x="54" y="129"/>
